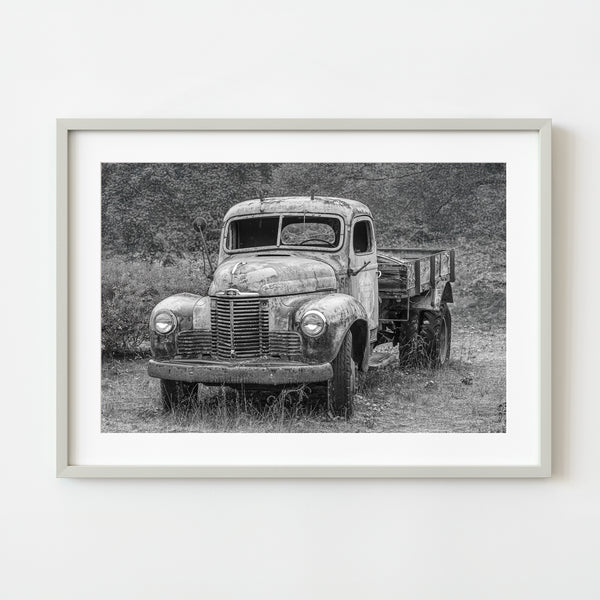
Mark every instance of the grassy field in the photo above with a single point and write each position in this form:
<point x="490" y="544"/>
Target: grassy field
<point x="467" y="395"/>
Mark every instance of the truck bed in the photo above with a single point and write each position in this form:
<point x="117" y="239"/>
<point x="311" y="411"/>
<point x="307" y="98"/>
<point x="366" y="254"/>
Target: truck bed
<point x="407" y="272"/>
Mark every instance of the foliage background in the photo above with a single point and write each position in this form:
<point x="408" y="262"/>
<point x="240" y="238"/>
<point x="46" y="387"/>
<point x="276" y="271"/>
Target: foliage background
<point x="149" y="249"/>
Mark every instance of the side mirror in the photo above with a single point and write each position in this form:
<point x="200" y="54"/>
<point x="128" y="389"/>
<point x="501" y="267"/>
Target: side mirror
<point x="200" y="225"/>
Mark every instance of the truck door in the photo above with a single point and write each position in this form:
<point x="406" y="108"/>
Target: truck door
<point x="363" y="263"/>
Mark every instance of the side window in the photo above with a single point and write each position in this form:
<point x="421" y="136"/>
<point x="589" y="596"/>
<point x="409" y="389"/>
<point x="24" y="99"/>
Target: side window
<point x="362" y="237"/>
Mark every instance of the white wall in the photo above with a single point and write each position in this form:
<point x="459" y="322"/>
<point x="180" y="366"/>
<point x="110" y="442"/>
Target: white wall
<point x="296" y="539"/>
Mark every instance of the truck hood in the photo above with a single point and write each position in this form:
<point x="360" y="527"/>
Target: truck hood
<point x="273" y="275"/>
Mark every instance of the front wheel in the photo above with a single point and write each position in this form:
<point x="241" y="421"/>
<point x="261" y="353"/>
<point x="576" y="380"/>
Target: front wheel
<point x="174" y="393"/>
<point x="342" y="387"/>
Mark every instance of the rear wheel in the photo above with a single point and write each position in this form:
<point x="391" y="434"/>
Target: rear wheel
<point x="342" y="387"/>
<point x="435" y="333"/>
<point x="406" y="336"/>
<point x="174" y="393"/>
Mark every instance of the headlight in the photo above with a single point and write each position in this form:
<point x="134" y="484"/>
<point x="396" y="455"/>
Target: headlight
<point x="313" y="323"/>
<point x="164" y="322"/>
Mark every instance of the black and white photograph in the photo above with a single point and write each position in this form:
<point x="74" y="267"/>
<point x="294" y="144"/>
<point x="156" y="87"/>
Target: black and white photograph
<point x="303" y="297"/>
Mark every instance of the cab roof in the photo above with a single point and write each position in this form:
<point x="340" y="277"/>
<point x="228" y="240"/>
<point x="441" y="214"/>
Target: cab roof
<point x="300" y="204"/>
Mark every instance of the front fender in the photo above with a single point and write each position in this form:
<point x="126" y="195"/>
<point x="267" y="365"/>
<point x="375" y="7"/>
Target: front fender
<point x="342" y="312"/>
<point x="182" y="306"/>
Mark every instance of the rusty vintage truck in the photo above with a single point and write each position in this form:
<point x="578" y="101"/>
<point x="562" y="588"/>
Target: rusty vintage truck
<point x="302" y="295"/>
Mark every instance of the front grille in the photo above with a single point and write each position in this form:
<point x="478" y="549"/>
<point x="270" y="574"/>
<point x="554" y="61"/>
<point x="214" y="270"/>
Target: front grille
<point x="193" y="343"/>
<point x="285" y="344"/>
<point x="240" y="328"/>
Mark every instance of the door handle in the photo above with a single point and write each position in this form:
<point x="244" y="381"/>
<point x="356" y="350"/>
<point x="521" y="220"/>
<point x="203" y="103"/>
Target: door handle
<point x="352" y="272"/>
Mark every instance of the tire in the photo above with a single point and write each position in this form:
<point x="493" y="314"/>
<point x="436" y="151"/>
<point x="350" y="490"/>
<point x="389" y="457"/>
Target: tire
<point x="435" y="334"/>
<point x="406" y="338"/>
<point x="175" y="393"/>
<point x="342" y="387"/>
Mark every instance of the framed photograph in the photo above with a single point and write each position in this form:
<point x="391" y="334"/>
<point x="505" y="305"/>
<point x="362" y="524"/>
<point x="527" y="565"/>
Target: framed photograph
<point x="303" y="298"/>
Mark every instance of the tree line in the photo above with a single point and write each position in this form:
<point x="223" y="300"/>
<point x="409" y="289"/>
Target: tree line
<point x="148" y="209"/>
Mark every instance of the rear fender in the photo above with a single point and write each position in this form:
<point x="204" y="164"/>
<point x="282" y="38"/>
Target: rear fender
<point x="429" y="301"/>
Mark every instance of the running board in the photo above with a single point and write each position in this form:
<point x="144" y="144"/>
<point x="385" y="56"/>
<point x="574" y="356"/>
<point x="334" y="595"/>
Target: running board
<point x="377" y="360"/>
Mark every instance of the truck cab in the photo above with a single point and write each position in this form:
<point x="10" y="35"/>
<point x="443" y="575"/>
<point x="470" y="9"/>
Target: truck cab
<point x="293" y="300"/>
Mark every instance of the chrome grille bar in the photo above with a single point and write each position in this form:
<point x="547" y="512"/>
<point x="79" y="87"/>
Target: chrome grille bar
<point x="192" y="343"/>
<point x="285" y="344"/>
<point x="240" y="327"/>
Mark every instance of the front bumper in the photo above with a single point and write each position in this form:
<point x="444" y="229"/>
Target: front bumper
<point x="262" y="373"/>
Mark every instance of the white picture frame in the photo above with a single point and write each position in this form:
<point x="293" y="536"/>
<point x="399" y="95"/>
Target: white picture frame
<point x="67" y="466"/>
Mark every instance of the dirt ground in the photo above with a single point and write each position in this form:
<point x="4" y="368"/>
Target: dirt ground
<point x="467" y="395"/>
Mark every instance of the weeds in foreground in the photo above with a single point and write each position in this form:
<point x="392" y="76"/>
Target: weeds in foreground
<point x="226" y="409"/>
<point x="467" y="395"/>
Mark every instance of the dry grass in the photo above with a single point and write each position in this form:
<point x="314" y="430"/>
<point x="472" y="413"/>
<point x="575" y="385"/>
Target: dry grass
<point x="467" y="395"/>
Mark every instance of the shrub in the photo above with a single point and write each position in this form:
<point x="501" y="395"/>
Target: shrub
<point x="131" y="289"/>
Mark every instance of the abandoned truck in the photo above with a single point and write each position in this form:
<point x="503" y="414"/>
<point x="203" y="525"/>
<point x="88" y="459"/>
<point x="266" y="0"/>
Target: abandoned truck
<point x="301" y="294"/>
